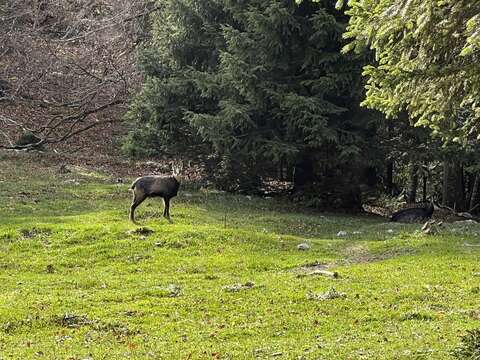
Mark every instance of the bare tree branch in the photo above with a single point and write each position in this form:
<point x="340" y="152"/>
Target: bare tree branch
<point x="69" y="67"/>
<point x="70" y="131"/>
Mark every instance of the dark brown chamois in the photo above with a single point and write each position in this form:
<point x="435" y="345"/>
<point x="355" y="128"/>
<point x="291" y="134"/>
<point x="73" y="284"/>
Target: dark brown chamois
<point x="413" y="214"/>
<point x="162" y="186"/>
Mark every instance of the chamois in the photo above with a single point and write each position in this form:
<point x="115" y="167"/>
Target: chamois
<point x="162" y="186"/>
<point x="413" y="214"/>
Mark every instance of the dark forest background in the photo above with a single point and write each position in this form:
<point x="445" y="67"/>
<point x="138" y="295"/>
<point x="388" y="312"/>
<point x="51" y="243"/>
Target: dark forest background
<point x="304" y="97"/>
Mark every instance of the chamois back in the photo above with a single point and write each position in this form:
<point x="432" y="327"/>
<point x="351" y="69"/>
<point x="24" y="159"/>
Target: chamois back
<point x="413" y="214"/>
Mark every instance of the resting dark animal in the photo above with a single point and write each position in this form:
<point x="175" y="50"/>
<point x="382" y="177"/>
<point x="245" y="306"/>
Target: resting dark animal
<point x="413" y="214"/>
<point x="165" y="187"/>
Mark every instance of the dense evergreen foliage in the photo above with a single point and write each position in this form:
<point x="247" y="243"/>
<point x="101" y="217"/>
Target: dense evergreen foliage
<point x="185" y="39"/>
<point x="269" y="90"/>
<point x="427" y="60"/>
<point x="426" y="70"/>
<point x="255" y="83"/>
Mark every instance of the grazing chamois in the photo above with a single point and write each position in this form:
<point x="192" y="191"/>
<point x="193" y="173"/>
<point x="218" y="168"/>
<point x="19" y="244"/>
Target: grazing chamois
<point x="413" y="214"/>
<point x="162" y="186"/>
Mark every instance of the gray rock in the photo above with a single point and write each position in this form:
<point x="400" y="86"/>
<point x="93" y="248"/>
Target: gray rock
<point x="329" y="295"/>
<point x="303" y="247"/>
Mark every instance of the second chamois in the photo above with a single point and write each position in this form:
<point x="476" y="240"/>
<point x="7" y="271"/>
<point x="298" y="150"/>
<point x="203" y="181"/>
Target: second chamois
<point x="413" y="214"/>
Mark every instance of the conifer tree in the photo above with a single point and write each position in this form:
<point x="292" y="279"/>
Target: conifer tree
<point x="427" y="55"/>
<point x="257" y="84"/>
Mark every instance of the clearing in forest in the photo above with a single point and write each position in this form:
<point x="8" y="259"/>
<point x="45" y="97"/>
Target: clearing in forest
<point x="226" y="280"/>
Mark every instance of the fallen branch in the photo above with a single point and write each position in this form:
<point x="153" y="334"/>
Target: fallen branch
<point x="331" y="274"/>
<point x="464" y="215"/>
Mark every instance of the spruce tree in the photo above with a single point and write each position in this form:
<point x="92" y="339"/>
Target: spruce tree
<point x="427" y="61"/>
<point x="256" y="84"/>
<point x="185" y="38"/>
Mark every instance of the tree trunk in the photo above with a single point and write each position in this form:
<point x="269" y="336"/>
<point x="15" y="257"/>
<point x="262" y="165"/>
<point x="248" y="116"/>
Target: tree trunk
<point x="475" y="196"/>
<point x="281" y="174"/>
<point x="413" y="185"/>
<point x="445" y="183"/>
<point x="303" y="172"/>
<point x="389" y="178"/>
<point x="389" y="175"/>
<point x="453" y="192"/>
<point x="289" y="173"/>
<point x="424" y="188"/>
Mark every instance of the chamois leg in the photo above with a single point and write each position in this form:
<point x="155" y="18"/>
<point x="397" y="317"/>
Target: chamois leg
<point x="166" y="210"/>
<point x="137" y="200"/>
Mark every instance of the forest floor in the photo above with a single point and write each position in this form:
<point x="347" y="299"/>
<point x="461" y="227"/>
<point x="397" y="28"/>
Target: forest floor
<point x="224" y="281"/>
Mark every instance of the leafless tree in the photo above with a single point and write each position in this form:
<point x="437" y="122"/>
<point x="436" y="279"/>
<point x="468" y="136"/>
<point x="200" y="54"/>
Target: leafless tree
<point x="66" y="66"/>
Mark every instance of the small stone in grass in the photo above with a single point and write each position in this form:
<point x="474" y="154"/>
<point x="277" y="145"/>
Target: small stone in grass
<point x="173" y="290"/>
<point x="303" y="247"/>
<point x="330" y="294"/>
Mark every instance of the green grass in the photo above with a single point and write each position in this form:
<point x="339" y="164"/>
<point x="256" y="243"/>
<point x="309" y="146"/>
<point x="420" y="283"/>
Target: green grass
<point x="75" y="284"/>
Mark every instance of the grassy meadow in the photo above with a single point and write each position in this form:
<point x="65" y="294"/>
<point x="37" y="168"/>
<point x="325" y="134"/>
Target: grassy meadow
<point x="224" y="281"/>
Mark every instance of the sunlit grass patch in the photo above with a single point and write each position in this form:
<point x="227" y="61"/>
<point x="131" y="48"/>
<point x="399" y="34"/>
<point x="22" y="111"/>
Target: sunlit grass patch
<point x="77" y="280"/>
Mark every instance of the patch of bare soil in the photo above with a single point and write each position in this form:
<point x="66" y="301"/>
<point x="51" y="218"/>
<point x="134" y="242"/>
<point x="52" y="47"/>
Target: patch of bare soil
<point x="312" y="267"/>
<point x="359" y="254"/>
<point x="239" y="287"/>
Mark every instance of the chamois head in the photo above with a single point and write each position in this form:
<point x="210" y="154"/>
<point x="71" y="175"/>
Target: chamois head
<point x="177" y="170"/>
